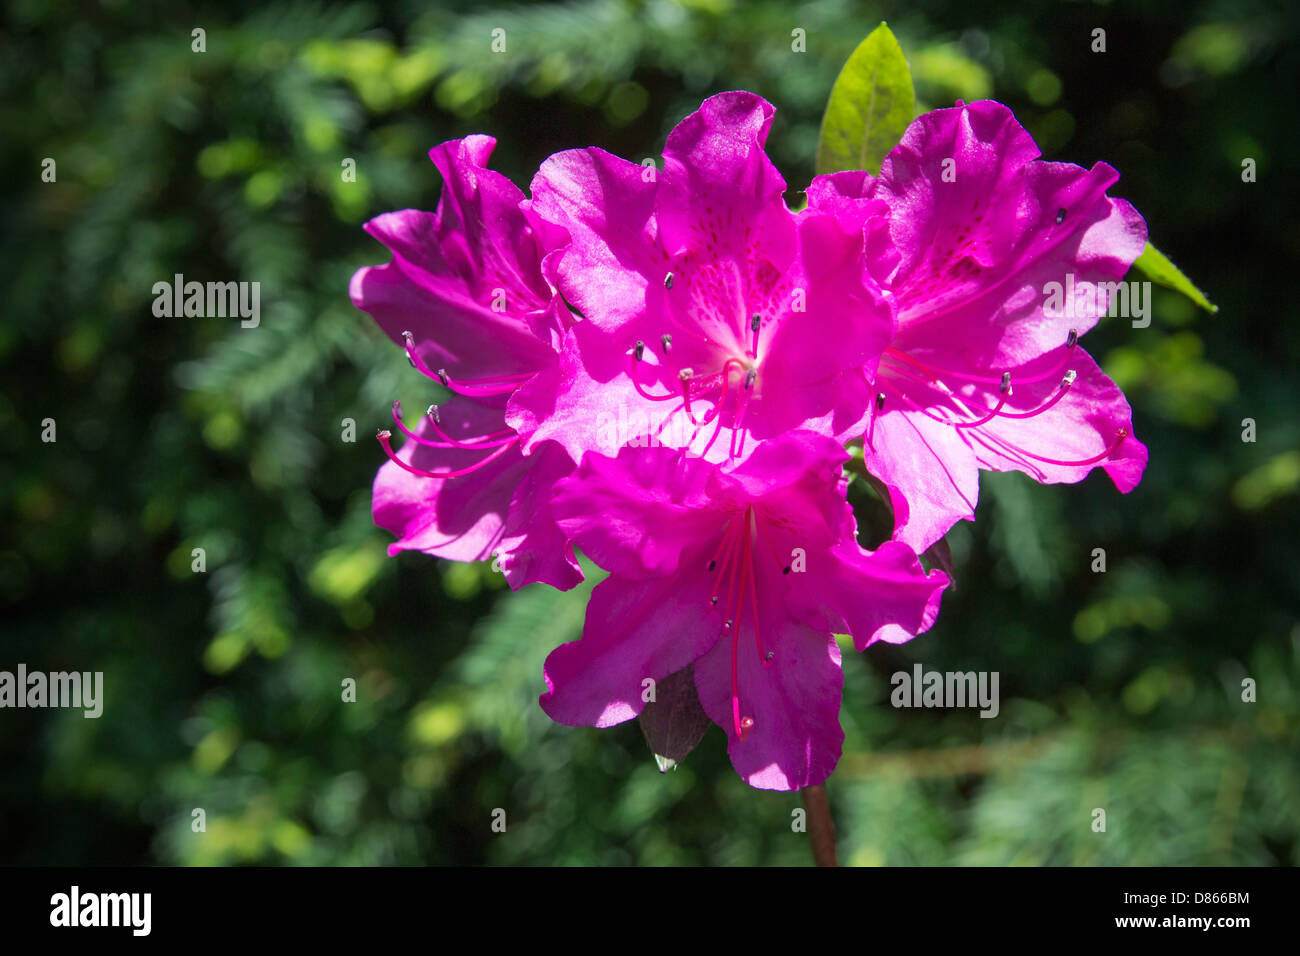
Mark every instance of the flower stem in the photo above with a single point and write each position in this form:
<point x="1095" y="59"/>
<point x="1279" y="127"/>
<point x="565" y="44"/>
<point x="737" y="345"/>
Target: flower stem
<point x="821" y="830"/>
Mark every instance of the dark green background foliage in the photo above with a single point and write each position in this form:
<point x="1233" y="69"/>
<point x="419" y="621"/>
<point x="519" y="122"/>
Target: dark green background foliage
<point x="1120" y="690"/>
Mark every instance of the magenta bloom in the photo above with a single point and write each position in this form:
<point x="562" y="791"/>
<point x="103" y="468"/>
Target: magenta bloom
<point x="465" y="296"/>
<point x="710" y="309"/>
<point x="984" y="370"/>
<point x="745" y="573"/>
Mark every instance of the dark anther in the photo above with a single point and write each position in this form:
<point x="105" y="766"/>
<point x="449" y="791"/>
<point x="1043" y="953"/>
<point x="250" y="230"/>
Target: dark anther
<point x="639" y="349"/>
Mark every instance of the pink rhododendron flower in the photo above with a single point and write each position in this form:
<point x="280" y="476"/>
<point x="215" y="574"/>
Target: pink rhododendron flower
<point x="723" y="350"/>
<point x="710" y="309"/>
<point x="984" y="370"/>
<point x="465" y="296"/>
<point x="744" y="573"/>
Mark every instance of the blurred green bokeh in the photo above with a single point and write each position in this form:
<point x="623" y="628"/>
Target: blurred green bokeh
<point x="1119" y="690"/>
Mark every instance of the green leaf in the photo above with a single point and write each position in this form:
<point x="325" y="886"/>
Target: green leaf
<point x="871" y="104"/>
<point x="1156" y="266"/>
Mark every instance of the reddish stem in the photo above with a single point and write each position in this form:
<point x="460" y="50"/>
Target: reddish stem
<point x="821" y="829"/>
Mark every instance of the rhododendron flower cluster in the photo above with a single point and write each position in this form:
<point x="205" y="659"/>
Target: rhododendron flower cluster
<point x="669" y="369"/>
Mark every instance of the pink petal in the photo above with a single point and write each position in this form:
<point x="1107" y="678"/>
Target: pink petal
<point x="1079" y="427"/>
<point x="605" y="204"/>
<point x="932" y="475"/>
<point x="451" y="330"/>
<point x="502" y="508"/>
<point x="974" y="218"/>
<point x="533" y="548"/>
<point x="883" y="595"/>
<point x="465" y="280"/>
<point x="636" y="514"/>
<point x="635" y="630"/>
<point x="794" y="701"/>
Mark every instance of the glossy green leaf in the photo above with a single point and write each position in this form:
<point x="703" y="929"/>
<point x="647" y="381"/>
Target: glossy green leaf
<point x="871" y="104"/>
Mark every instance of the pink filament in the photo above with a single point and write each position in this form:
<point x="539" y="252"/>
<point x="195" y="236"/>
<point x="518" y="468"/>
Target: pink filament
<point x="495" y="385"/>
<point x="996" y="412"/>
<point x="640" y="390"/>
<point x="936" y="374"/>
<point x="385" y="435"/>
<point x="486" y="441"/>
<point x="1120" y="435"/>
<point x="735" y="641"/>
<point x="738" y="578"/>
<point x="989" y="416"/>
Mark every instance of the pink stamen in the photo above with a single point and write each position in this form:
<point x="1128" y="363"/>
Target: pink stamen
<point x="937" y="373"/>
<point x="741" y="726"/>
<point x="640" y="390"/>
<point x="487" y="441"/>
<point x="738" y="578"/>
<point x="717" y="430"/>
<point x="729" y="542"/>
<point x="495" y="385"/>
<point x="1060" y="394"/>
<point x="684" y="378"/>
<point x="713" y="561"/>
<point x="785" y="568"/>
<point x="738" y="425"/>
<point x="753" y="599"/>
<point x="472" y="390"/>
<point x="997" y="411"/>
<point x="506" y="433"/>
<point x="916" y="407"/>
<point x="667" y="418"/>
<point x="1120" y="435"/>
<point x="385" y="435"/>
<point x="726" y="387"/>
<point x="1002" y="400"/>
